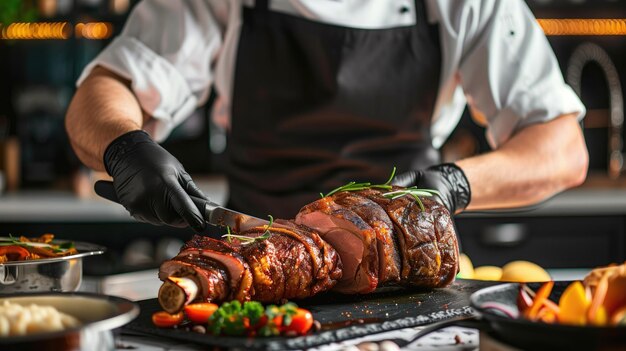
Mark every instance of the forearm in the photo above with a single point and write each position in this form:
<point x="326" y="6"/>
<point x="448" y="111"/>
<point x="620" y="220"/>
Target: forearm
<point x="536" y="163"/>
<point x="102" y="109"/>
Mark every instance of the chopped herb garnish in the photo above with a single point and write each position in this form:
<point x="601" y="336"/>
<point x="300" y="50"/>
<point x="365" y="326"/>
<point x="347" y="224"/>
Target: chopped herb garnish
<point x="234" y="318"/>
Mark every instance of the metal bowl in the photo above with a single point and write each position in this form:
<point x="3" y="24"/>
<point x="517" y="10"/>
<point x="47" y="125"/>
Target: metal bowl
<point x="99" y="315"/>
<point x="47" y="274"/>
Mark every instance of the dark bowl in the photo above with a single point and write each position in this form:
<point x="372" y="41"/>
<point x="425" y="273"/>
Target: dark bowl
<point x="529" y="335"/>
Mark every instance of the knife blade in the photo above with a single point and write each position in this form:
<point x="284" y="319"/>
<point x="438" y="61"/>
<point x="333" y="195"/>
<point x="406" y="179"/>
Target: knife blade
<point x="213" y="213"/>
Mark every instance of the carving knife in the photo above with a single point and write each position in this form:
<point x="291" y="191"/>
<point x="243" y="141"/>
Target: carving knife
<point x="213" y="213"/>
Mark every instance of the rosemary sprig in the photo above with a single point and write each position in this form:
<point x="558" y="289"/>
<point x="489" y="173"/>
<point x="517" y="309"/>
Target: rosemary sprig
<point x="354" y="186"/>
<point x="412" y="191"/>
<point x="246" y="240"/>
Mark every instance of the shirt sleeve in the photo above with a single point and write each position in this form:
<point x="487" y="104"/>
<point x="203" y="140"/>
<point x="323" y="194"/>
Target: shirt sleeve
<point x="508" y="70"/>
<point x="166" y="50"/>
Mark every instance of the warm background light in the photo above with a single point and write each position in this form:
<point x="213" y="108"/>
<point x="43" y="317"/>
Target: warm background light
<point x="56" y="30"/>
<point x="93" y="30"/>
<point x="43" y="30"/>
<point x="104" y="30"/>
<point x="579" y="26"/>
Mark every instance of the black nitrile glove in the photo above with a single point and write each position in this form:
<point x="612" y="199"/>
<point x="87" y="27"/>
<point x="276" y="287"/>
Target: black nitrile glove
<point x="150" y="183"/>
<point x="446" y="178"/>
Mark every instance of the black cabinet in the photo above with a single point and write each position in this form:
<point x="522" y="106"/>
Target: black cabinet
<point x="554" y="242"/>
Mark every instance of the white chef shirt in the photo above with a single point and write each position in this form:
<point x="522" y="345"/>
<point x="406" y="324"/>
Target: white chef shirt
<point x="494" y="56"/>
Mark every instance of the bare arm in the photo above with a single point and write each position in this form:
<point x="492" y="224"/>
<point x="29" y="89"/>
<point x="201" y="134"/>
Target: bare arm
<point x="536" y="163"/>
<point x="102" y="109"/>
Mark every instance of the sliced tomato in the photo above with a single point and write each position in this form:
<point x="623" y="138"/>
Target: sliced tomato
<point x="163" y="319"/>
<point x="200" y="312"/>
<point x="14" y="252"/>
<point x="301" y="322"/>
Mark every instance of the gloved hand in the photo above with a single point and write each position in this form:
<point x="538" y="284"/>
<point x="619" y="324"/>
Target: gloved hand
<point x="446" y="178"/>
<point x="150" y="183"/>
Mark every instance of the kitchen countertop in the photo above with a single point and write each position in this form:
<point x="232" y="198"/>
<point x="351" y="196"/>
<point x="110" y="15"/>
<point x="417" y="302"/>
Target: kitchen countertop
<point x="59" y="206"/>
<point x="447" y="339"/>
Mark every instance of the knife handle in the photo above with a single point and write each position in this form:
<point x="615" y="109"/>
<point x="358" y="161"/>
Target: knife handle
<point x="105" y="189"/>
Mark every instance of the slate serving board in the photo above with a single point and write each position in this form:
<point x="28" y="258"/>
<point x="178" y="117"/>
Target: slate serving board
<point x="342" y="317"/>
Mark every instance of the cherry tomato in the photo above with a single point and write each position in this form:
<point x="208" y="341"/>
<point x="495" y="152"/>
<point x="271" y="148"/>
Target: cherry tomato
<point x="277" y="321"/>
<point x="14" y="252"/>
<point x="163" y="319"/>
<point x="200" y="312"/>
<point x="301" y="322"/>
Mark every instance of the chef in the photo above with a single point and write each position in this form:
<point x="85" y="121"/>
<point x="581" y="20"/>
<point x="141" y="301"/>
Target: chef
<point x="317" y="93"/>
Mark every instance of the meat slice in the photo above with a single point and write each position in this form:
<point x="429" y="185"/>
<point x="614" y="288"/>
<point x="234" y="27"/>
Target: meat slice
<point x="290" y="264"/>
<point x="207" y="275"/>
<point x="327" y="267"/>
<point x="427" y="239"/>
<point x="352" y="238"/>
<point x="389" y="263"/>
<point x="239" y="275"/>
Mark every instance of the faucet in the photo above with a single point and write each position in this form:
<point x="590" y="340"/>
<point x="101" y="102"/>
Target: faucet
<point x="582" y="55"/>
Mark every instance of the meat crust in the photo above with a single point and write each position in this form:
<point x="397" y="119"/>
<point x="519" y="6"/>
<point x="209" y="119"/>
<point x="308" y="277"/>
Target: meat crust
<point x="350" y="242"/>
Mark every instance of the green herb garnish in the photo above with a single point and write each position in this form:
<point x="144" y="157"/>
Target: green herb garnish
<point x="245" y="240"/>
<point x="412" y="191"/>
<point x="354" y="186"/>
<point x="56" y="248"/>
<point x="286" y="311"/>
<point x="233" y="318"/>
<point x="229" y="318"/>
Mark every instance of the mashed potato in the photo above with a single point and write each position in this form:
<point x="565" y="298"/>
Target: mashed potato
<point x="16" y="320"/>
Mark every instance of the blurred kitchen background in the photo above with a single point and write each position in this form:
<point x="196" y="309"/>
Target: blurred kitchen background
<point x="44" y="44"/>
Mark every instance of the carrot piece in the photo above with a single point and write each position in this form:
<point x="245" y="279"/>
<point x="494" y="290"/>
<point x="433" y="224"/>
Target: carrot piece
<point x="540" y="298"/>
<point x="598" y="297"/>
<point x="14" y="252"/>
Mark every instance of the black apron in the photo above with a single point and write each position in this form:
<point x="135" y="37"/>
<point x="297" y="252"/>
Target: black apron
<point x="317" y="105"/>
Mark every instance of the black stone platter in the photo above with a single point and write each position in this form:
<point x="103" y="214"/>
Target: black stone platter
<point x="342" y="317"/>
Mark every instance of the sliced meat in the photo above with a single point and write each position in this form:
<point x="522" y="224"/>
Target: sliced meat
<point x="427" y="240"/>
<point x="208" y="277"/>
<point x="239" y="275"/>
<point x="327" y="268"/>
<point x="352" y="238"/>
<point x="290" y="264"/>
<point x="447" y="242"/>
<point x="389" y="263"/>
